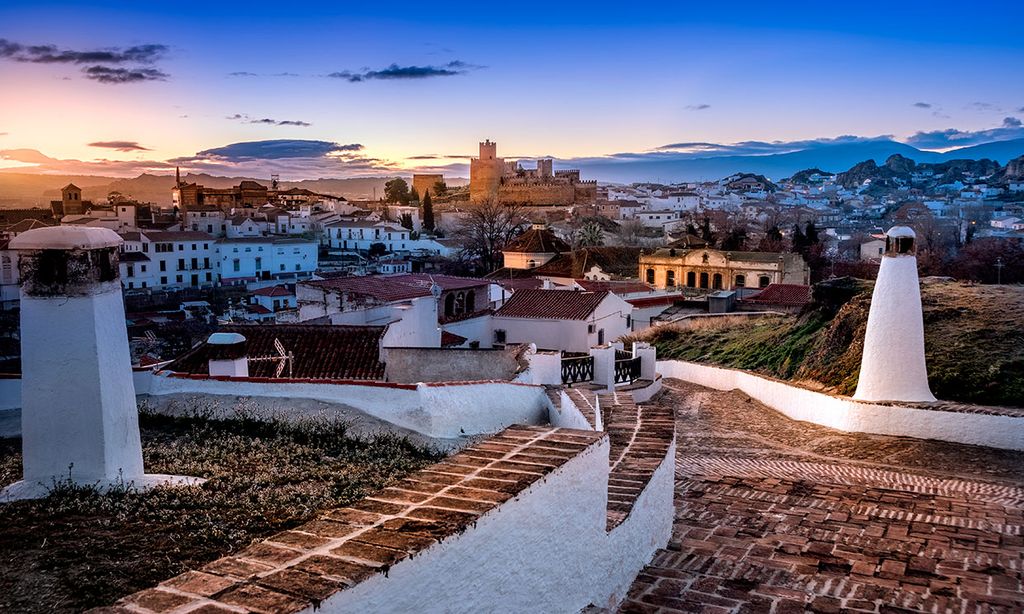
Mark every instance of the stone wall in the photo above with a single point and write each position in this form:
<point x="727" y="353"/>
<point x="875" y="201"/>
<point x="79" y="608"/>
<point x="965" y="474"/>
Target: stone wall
<point x="411" y="365"/>
<point x="538" y="194"/>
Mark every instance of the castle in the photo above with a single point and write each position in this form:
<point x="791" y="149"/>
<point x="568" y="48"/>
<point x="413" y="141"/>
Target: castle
<point x="185" y="196"/>
<point x="491" y="177"/>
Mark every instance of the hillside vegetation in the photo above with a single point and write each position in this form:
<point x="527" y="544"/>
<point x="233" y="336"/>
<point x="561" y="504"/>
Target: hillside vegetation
<point x="974" y="341"/>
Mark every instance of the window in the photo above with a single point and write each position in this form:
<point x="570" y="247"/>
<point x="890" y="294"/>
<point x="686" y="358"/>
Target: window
<point x="449" y="306"/>
<point x="470" y="301"/>
<point x="131" y="285"/>
<point x="650" y="276"/>
<point x="499" y="336"/>
<point x="163" y="265"/>
<point x="193" y="247"/>
<point x="590" y="329"/>
<point x="704" y="280"/>
<point x="177" y="278"/>
<point x="691" y="280"/>
<point x="600" y="337"/>
<point x="763" y="281"/>
<point x="670" y="279"/>
<point x="131" y="271"/>
<point x="282" y="267"/>
<point x="195" y="263"/>
<point x="741" y="280"/>
<point x="181" y="264"/>
<point x="163" y="280"/>
<point x="209" y="277"/>
<point x="236" y="265"/>
<point x="716" y="281"/>
<point x="629" y="322"/>
<point x="259" y="263"/>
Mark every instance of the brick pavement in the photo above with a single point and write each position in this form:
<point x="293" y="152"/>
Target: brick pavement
<point x="774" y="515"/>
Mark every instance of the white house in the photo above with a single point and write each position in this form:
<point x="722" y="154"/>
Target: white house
<point x="210" y="220"/>
<point x="167" y="259"/>
<point x="247" y="259"/>
<point x="567" y="320"/>
<point x="243" y="226"/>
<point x="360" y="235"/>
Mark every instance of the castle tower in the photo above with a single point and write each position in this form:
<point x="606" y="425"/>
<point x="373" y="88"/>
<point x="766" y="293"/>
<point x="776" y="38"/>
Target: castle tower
<point x="79" y="419"/>
<point x="485" y="173"/>
<point x="71" y="197"/>
<point x="893" y="365"/>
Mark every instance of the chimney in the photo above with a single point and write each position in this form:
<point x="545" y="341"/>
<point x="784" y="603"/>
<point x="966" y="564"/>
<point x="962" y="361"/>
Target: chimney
<point x="228" y="355"/>
<point x="893" y="364"/>
<point x="79" y="419"/>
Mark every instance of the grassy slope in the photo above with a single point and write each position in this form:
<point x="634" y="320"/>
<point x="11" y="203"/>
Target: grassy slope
<point x="974" y="342"/>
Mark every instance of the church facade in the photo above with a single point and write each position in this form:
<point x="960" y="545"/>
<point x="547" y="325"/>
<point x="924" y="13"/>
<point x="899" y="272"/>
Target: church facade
<point x="712" y="269"/>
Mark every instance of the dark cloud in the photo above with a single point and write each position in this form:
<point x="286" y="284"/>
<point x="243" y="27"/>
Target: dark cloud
<point x="395" y="71"/>
<point x="1020" y="110"/>
<point x="277" y="149"/>
<point x="268" y="121"/>
<point x="242" y="73"/>
<point x="703" y="149"/>
<point x="698" y="107"/>
<point x="105" y="74"/>
<point x="119" y="145"/>
<point x="922" y="105"/>
<point x="51" y="54"/>
<point x="106" y="65"/>
<point x="1011" y="128"/>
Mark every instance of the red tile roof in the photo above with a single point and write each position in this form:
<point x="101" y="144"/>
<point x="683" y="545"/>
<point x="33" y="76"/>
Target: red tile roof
<point x="615" y="287"/>
<point x="537" y="241"/>
<point x="782" y="294"/>
<point x="397" y="287"/>
<point x="272" y="291"/>
<point x="551" y="304"/>
<point x="321" y="351"/>
<point x="451" y="339"/>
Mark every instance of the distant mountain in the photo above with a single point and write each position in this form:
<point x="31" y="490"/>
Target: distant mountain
<point x="831" y="157"/>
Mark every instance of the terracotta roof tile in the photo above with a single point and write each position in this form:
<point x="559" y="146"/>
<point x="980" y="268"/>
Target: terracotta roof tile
<point x="782" y="294"/>
<point x="397" y="287"/>
<point x="552" y="304"/>
<point x="321" y="351"/>
<point x="537" y="241"/>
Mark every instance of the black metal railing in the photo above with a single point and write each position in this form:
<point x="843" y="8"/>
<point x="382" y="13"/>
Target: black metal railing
<point x="627" y="370"/>
<point x="622" y="355"/>
<point x="577" y="369"/>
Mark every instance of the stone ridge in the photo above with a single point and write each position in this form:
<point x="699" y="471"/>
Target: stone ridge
<point x="640" y="437"/>
<point x="298" y="569"/>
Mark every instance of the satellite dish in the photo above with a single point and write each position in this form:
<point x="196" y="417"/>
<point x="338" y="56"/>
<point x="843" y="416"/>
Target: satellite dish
<point x="435" y="290"/>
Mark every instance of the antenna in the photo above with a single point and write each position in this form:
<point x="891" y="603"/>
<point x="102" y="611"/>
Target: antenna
<point x="282" y="358"/>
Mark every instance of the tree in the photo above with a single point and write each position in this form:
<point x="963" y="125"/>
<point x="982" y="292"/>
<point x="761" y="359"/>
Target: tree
<point x="397" y="191"/>
<point x="799" y="243"/>
<point x="631" y="232"/>
<point x="705" y="232"/>
<point x="485" y="231"/>
<point x="735" y="241"/>
<point x="590" y="235"/>
<point x="377" y="250"/>
<point x="414" y="196"/>
<point x="406" y="221"/>
<point x="772" y="241"/>
<point x="440" y="189"/>
<point x="428" y="212"/>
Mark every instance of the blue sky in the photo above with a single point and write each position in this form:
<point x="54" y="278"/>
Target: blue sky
<point x="420" y="84"/>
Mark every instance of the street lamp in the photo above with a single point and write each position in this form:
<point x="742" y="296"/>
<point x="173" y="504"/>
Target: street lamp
<point x="999" y="270"/>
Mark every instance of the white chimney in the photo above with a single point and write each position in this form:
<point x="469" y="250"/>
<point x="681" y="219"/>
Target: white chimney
<point x="78" y="417"/>
<point x="893" y="366"/>
<point x="227" y="355"/>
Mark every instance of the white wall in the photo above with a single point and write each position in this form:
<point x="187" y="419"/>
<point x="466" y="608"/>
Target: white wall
<point x="443" y="411"/>
<point x="845" y="414"/>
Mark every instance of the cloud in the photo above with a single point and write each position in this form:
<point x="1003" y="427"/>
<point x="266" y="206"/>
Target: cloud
<point x="922" y="105"/>
<point x="242" y="73"/>
<point x="277" y="149"/>
<point x="697" y="107"/>
<point x="396" y="72"/>
<point x="105" y="65"/>
<point x="984" y="106"/>
<point x="119" y="145"/>
<point x="698" y="149"/>
<point x="1011" y="128"/>
<point x="268" y="121"/>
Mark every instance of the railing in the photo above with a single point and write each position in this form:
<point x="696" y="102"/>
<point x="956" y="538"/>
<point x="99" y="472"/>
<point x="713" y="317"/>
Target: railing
<point x="627" y="370"/>
<point x="577" y="369"/>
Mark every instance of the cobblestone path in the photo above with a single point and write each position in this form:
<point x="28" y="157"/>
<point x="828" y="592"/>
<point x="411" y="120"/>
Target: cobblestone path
<point x="774" y="515"/>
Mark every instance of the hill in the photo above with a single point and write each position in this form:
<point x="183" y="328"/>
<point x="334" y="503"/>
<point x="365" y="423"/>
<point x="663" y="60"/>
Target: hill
<point x="973" y="342"/>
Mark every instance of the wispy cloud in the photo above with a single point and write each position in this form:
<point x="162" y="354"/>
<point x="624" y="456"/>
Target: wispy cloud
<point x="268" y="121"/>
<point x="100" y="61"/>
<point x="922" y="105"/>
<point x="747" y="148"/>
<point x="242" y="73"/>
<point x="119" y="145"/>
<point x="1011" y="128"/>
<point x="697" y="107"/>
<point x="396" y="72"/>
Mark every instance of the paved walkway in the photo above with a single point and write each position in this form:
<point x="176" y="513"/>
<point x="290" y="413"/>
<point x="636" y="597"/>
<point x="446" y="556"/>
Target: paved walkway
<point x="774" y="515"/>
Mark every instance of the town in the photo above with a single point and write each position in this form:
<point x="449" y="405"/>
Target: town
<point x="454" y="308"/>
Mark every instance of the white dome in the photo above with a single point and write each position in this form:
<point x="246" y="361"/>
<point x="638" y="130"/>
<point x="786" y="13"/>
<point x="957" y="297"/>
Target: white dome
<point x="225" y="339"/>
<point x="901" y="231"/>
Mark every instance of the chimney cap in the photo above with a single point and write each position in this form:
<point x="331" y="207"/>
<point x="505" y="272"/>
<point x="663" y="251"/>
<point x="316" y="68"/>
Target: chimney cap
<point x="901" y="231"/>
<point x="225" y="339"/>
<point x="67" y="238"/>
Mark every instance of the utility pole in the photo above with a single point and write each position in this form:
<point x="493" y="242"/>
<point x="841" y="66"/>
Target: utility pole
<point x="999" y="271"/>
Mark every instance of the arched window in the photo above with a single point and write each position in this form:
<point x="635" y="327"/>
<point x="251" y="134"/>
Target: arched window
<point x="460" y="303"/>
<point x="741" y="280"/>
<point x="449" y="305"/>
<point x="704" y="280"/>
<point x="471" y="301"/>
<point x="763" y="281"/>
<point x="531" y="263"/>
<point x="650" y="276"/>
<point x="691" y="279"/>
<point x="670" y="279"/>
<point x="716" y="281"/>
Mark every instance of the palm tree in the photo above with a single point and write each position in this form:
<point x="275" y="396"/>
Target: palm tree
<point x="590" y="235"/>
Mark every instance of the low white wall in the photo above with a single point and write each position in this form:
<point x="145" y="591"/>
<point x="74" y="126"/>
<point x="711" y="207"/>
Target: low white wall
<point x="546" y="550"/>
<point x="642" y="395"/>
<point x="567" y="415"/>
<point x="845" y="414"/>
<point x="443" y="411"/>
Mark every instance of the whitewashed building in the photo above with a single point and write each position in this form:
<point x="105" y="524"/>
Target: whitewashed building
<point x="249" y="259"/>
<point x="566" y="320"/>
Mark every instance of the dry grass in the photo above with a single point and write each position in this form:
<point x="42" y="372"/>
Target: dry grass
<point x="80" y="548"/>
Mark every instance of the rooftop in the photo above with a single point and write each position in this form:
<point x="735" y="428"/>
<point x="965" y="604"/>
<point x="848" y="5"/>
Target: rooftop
<point x="320" y="351"/>
<point x="397" y="287"/>
<point x="537" y="240"/>
<point x="551" y="304"/>
<point x="782" y="294"/>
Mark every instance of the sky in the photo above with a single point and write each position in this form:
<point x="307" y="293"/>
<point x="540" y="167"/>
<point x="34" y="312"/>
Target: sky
<point x="339" y="89"/>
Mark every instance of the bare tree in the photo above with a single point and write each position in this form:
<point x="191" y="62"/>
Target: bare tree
<point x="485" y="231"/>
